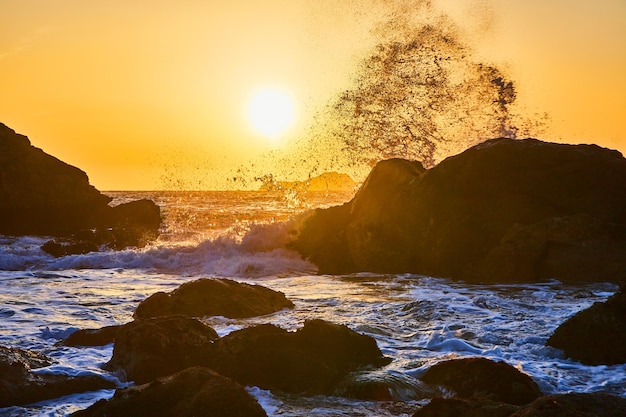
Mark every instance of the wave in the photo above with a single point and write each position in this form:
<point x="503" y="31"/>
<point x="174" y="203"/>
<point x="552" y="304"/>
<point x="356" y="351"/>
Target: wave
<point x="258" y="252"/>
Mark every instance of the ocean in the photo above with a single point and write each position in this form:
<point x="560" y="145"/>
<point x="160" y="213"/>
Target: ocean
<point x="416" y="320"/>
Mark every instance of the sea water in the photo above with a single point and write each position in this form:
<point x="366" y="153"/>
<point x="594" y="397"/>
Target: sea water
<point x="416" y="320"/>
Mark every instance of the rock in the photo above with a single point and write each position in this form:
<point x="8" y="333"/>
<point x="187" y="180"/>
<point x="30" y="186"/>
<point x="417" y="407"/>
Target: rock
<point x="456" y="407"/>
<point x="483" y="378"/>
<point x="579" y="247"/>
<point x="575" y="404"/>
<point x="596" y="335"/>
<point x="19" y="386"/>
<point x="193" y="392"/>
<point x="214" y="297"/>
<point x="558" y="405"/>
<point x="150" y="348"/>
<point x="446" y="220"/>
<point x="92" y="337"/>
<point x="312" y="360"/>
<point x="41" y="195"/>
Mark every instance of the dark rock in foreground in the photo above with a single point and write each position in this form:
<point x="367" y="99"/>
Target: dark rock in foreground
<point x="19" y="386"/>
<point x="483" y="378"/>
<point x="312" y="360"/>
<point x="575" y="405"/>
<point x="192" y="392"/>
<point x="214" y="297"/>
<point x="457" y="407"/>
<point x="597" y="335"/>
<point x="151" y="348"/>
<point x="559" y="405"/>
<point x="504" y="210"/>
<point x="41" y="195"/>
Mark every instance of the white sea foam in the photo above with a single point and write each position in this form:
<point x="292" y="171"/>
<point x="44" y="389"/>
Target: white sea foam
<point x="417" y="321"/>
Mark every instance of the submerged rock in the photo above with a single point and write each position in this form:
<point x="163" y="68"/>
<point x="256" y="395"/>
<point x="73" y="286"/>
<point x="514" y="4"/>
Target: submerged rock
<point x="20" y="386"/>
<point x="214" y="297"/>
<point x="596" y="335"/>
<point x="450" y="220"/>
<point x="92" y="337"/>
<point x="151" y="348"/>
<point x="41" y="195"/>
<point x="192" y="392"/>
<point x="483" y="378"/>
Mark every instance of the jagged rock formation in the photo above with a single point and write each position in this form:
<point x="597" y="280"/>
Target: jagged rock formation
<point x="504" y="210"/>
<point x="41" y="195"/>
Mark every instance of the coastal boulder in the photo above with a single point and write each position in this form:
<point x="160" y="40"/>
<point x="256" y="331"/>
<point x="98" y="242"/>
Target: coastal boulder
<point x="557" y="405"/>
<point x="483" y="378"/>
<point x="214" y="297"/>
<point x="151" y="348"/>
<point x="451" y="220"/>
<point x="193" y="392"/>
<point x="312" y="360"/>
<point x="596" y="335"/>
<point x="41" y="195"/>
<point x="20" y="386"/>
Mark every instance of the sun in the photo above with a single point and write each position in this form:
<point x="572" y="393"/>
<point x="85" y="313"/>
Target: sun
<point x="271" y="111"/>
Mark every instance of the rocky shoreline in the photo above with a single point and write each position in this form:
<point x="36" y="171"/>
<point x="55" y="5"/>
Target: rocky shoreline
<point x="503" y="211"/>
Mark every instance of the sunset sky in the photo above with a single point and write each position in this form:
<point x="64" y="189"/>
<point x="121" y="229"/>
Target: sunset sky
<point x="158" y="94"/>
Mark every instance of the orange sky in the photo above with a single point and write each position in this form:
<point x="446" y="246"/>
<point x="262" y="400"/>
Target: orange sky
<point x="152" y="94"/>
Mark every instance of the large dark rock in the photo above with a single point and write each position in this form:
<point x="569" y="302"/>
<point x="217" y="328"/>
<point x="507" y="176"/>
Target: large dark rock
<point x="151" y="348"/>
<point x="451" y="220"/>
<point x="312" y="360"/>
<point x="19" y="386"/>
<point x="41" y="195"/>
<point x="483" y="378"/>
<point x="558" y="405"/>
<point x="214" y="297"/>
<point x="596" y="335"/>
<point x="192" y="392"/>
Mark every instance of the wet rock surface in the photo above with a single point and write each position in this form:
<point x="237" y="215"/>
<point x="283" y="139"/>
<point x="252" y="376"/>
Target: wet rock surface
<point x="214" y="297"/>
<point x="596" y="335"/>
<point x="193" y="392"/>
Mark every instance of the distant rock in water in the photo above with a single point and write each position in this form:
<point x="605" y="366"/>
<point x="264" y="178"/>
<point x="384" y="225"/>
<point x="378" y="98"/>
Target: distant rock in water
<point x="328" y="181"/>
<point x="41" y="195"/>
<point x="502" y="211"/>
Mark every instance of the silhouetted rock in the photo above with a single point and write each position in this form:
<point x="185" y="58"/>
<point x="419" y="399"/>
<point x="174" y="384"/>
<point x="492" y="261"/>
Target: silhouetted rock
<point x="311" y="360"/>
<point x="214" y="297"/>
<point x="575" y="405"/>
<point x="151" y="348"/>
<point x="596" y="335"/>
<point x="19" y="386"/>
<point x="470" y="215"/>
<point x="41" y="195"/>
<point x="458" y="407"/>
<point x="92" y="337"/>
<point x="190" y="393"/>
<point x="483" y="378"/>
